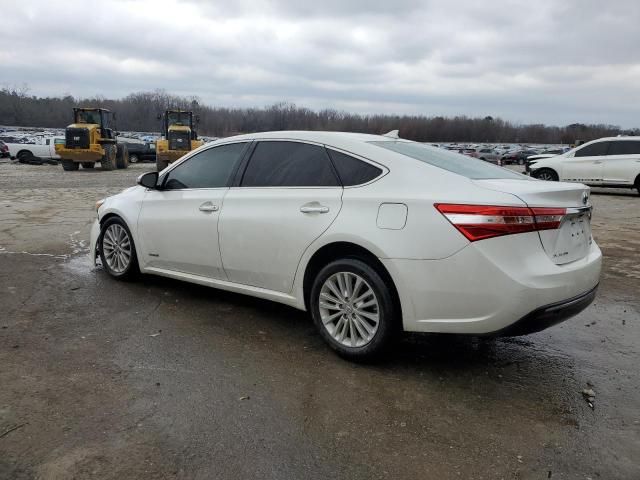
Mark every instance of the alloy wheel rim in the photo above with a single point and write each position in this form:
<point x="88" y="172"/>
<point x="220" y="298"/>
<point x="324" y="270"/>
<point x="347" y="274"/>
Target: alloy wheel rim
<point x="349" y="309"/>
<point x="116" y="247"/>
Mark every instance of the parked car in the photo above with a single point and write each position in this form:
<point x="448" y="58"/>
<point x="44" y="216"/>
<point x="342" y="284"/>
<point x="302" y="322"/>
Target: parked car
<point x="140" y="152"/>
<point x="552" y="152"/>
<point x="488" y="155"/>
<point x="370" y="234"/>
<point x="43" y="147"/>
<point x="4" y="150"/>
<point x="517" y="156"/>
<point x="606" y="162"/>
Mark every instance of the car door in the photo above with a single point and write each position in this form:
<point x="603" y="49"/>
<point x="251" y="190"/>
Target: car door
<point x="585" y="166"/>
<point x="178" y="223"/>
<point x="287" y="197"/>
<point x="622" y="164"/>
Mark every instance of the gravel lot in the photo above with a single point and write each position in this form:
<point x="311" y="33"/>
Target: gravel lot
<point x="159" y="379"/>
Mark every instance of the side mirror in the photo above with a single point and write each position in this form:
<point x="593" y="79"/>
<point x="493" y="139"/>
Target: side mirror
<point x="197" y="118"/>
<point x="148" y="180"/>
<point x="159" y="117"/>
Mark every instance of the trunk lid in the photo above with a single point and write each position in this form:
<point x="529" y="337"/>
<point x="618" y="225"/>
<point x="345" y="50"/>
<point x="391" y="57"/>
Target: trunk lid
<point x="572" y="240"/>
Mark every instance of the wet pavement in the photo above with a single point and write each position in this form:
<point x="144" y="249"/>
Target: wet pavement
<point x="161" y="379"/>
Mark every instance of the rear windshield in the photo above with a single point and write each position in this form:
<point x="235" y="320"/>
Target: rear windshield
<point x="453" y="162"/>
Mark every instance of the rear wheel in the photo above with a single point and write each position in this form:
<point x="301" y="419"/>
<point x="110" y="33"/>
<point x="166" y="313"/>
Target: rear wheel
<point x="133" y="158"/>
<point x="69" y="165"/>
<point x="122" y="156"/>
<point x="109" y="158"/>
<point x="546" y="174"/>
<point x="637" y="183"/>
<point x="353" y="308"/>
<point x="88" y="165"/>
<point x="117" y="251"/>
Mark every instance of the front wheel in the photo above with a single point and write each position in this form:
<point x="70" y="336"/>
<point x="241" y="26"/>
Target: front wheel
<point x="353" y="309"/>
<point x="70" y="165"/>
<point x="546" y="174"/>
<point x="133" y="158"/>
<point x="161" y="164"/>
<point x="117" y="250"/>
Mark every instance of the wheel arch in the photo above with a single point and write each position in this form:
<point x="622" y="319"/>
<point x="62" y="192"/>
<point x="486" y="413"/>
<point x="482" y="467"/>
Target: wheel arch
<point x="551" y="169"/>
<point x="23" y="151"/>
<point x="346" y="249"/>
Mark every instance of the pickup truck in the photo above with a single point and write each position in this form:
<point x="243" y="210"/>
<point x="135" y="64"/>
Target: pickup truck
<point x="139" y="152"/>
<point x="43" y="147"/>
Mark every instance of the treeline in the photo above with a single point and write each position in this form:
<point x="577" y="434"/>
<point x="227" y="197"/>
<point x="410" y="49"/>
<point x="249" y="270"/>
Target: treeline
<point x="138" y="112"/>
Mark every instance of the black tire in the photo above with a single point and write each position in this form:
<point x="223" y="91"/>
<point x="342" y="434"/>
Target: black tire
<point x="546" y="174"/>
<point x="132" y="270"/>
<point x="88" y="165"/>
<point x="133" y="158"/>
<point x="69" y="165"/>
<point x="521" y="161"/>
<point x="161" y="164"/>
<point x="122" y="156"/>
<point x="24" y="155"/>
<point x="109" y="158"/>
<point x="637" y="183"/>
<point x="386" y="309"/>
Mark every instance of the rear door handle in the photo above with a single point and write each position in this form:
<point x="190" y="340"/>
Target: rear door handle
<point x="597" y="162"/>
<point x="208" y="207"/>
<point x="314" y="209"/>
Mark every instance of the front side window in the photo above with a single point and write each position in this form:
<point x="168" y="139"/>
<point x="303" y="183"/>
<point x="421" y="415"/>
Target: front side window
<point x="597" y="149"/>
<point x="624" y="147"/>
<point x="289" y="164"/>
<point x="453" y="162"/>
<point x="210" y="168"/>
<point x="353" y="171"/>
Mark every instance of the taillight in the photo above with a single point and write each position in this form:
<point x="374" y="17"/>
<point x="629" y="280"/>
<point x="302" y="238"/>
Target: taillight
<point x="478" y="222"/>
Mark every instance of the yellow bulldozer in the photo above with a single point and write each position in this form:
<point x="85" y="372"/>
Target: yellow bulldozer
<point x="178" y="137"/>
<point x="91" y="138"/>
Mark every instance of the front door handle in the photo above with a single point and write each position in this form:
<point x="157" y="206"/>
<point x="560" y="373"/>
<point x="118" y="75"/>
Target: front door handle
<point x="597" y="162"/>
<point x="208" y="207"/>
<point x="314" y="209"/>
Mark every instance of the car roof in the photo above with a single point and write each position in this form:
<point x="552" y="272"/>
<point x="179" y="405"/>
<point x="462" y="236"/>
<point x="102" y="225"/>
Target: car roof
<point x="608" y="139"/>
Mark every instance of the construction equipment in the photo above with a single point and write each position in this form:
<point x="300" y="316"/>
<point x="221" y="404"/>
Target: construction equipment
<point x="178" y="137"/>
<point x="90" y="139"/>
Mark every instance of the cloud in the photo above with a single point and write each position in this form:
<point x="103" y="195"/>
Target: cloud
<point x="544" y="61"/>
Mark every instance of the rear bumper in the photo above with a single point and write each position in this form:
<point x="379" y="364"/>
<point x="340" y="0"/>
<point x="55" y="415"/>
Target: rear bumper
<point x="549" y="315"/>
<point x="491" y="285"/>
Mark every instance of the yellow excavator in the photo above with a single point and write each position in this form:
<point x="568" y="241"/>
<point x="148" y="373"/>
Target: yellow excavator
<point x="91" y="138"/>
<point x="178" y="137"/>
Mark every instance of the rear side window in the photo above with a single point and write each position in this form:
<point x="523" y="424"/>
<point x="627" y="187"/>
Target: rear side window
<point x="453" y="162"/>
<point x="353" y="171"/>
<point x="289" y="164"/>
<point x="624" y="147"/>
<point x="594" y="150"/>
<point x="210" y="168"/>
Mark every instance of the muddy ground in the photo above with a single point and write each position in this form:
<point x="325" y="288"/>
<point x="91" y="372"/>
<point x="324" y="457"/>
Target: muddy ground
<point x="159" y="379"/>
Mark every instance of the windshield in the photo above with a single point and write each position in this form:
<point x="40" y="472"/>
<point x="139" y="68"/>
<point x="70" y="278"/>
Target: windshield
<point x="179" y="118"/>
<point x="453" y="162"/>
<point x="88" y="116"/>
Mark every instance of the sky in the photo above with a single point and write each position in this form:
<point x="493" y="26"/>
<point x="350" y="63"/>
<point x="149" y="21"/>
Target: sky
<point x="544" y="61"/>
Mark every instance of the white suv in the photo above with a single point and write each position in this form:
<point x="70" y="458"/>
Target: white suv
<point x="606" y="162"/>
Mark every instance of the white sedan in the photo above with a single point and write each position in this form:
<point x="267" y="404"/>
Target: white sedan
<point x="370" y="234"/>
